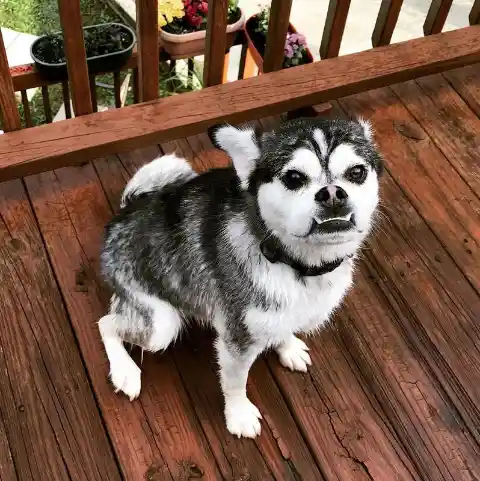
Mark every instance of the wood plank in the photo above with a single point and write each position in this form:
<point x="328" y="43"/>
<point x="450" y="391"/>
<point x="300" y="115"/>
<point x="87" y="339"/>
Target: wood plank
<point x="436" y="16"/>
<point x="7" y="466"/>
<point x="448" y="121"/>
<point x="443" y="319"/>
<point x="474" y="16"/>
<point x="48" y="409"/>
<point x="466" y="82"/>
<point x="158" y="434"/>
<point x="8" y="105"/>
<point x="431" y="184"/>
<point x="386" y="21"/>
<point x="334" y="27"/>
<point x="277" y="35"/>
<point x="147" y="48"/>
<point x="424" y="419"/>
<point x="71" y="21"/>
<point x="216" y="43"/>
<point x="81" y="139"/>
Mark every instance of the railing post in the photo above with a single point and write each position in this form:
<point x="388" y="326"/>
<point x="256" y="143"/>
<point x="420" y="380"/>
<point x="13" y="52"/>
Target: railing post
<point x="148" y="64"/>
<point x="386" y="20"/>
<point x="277" y="34"/>
<point x="474" y="17"/>
<point x="8" y="104"/>
<point x="74" y="44"/>
<point x="334" y="27"/>
<point x="436" y="16"/>
<point x="216" y="42"/>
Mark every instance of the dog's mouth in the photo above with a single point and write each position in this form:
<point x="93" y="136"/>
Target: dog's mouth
<point x="333" y="225"/>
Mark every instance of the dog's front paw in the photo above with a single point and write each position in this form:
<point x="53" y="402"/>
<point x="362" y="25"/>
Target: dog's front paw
<point x="294" y="355"/>
<point x="243" y="418"/>
<point x="126" y="376"/>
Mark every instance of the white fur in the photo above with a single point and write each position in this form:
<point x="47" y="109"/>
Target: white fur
<point x="124" y="373"/>
<point x="367" y="128"/>
<point x="293" y="354"/>
<point x="240" y="145"/>
<point x="156" y="174"/>
<point x="321" y="141"/>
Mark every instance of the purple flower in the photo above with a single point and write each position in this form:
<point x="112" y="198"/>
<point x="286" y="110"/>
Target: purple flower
<point x="301" y="40"/>
<point x="288" y="51"/>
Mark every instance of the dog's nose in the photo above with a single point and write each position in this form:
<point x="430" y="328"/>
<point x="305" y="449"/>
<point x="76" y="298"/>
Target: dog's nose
<point x="331" y="196"/>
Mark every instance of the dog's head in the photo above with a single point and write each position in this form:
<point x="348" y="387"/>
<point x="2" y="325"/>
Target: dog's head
<point x="313" y="180"/>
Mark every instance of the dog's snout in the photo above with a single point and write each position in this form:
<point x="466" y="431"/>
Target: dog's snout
<point x="332" y="196"/>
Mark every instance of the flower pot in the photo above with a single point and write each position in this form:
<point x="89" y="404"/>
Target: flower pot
<point x="187" y="45"/>
<point x="256" y="43"/>
<point x="96" y="64"/>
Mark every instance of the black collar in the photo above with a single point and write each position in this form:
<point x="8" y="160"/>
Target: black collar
<point x="275" y="253"/>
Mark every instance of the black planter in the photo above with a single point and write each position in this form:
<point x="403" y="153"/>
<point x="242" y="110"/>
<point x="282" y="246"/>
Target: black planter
<point x="96" y="64"/>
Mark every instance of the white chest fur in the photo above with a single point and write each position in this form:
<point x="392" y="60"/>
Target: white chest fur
<point x="305" y="304"/>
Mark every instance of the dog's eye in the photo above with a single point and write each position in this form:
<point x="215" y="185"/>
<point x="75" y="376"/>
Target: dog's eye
<point x="293" y="179"/>
<point x="357" y="174"/>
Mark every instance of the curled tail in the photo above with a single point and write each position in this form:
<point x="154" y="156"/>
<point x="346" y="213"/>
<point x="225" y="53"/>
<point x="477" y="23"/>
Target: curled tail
<point x="156" y="175"/>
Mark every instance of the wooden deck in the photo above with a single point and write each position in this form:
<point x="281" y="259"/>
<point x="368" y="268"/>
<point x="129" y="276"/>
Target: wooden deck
<point x="394" y="390"/>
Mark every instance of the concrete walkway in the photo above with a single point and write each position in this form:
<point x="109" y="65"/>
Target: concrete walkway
<point x="17" y="45"/>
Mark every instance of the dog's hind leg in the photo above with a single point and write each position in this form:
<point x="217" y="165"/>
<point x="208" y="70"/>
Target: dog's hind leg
<point x="153" y="331"/>
<point x="124" y="373"/>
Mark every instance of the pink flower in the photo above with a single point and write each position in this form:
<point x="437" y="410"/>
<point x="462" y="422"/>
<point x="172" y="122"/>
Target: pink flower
<point x="203" y="7"/>
<point x="288" y="51"/>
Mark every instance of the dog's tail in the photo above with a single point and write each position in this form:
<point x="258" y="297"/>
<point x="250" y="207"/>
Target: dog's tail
<point x="156" y="175"/>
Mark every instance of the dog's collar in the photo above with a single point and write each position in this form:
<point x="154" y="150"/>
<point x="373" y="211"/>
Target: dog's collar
<point x="275" y="253"/>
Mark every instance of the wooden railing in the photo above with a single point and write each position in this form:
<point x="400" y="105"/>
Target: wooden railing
<point x="94" y="134"/>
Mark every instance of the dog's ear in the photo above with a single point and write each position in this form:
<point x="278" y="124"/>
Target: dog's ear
<point x="241" y="144"/>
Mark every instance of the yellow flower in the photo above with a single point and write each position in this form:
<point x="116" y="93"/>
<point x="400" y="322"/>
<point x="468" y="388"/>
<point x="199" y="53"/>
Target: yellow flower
<point x="169" y="10"/>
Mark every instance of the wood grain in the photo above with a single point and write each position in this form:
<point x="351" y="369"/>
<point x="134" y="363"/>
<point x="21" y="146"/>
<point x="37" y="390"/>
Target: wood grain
<point x="159" y="433"/>
<point x="448" y="121"/>
<point x="466" y="82"/>
<point x="71" y="21"/>
<point x="216" y="43"/>
<point x="431" y="184"/>
<point x="81" y="139"/>
<point x="334" y="27"/>
<point x="8" y="104"/>
<point x="147" y="48"/>
<point x="277" y="35"/>
<point x="386" y="21"/>
<point x="49" y="412"/>
<point x="436" y="16"/>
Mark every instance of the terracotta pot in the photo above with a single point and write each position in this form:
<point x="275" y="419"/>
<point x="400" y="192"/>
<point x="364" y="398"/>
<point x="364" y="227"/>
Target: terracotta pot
<point x="189" y="45"/>
<point x="258" y="56"/>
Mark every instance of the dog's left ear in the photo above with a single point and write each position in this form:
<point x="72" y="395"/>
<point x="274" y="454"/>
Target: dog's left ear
<point x="241" y="145"/>
<point x="367" y="128"/>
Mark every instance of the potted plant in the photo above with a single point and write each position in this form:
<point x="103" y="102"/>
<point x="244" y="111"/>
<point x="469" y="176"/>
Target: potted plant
<point x="108" y="47"/>
<point x="296" y="50"/>
<point x="183" y="23"/>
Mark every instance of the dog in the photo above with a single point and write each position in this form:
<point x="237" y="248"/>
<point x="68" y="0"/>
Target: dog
<point x="261" y="251"/>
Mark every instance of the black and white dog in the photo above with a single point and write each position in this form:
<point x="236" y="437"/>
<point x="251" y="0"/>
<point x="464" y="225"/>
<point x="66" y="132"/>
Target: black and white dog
<point x="260" y="251"/>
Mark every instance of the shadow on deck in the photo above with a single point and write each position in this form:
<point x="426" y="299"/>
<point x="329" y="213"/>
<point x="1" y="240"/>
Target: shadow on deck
<point x="394" y="390"/>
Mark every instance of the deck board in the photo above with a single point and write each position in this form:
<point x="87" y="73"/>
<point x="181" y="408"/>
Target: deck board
<point x="46" y="401"/>
<point x="394" y="389"/>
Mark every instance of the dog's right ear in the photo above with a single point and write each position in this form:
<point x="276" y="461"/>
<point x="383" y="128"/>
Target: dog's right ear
<point x="241" y="145"/>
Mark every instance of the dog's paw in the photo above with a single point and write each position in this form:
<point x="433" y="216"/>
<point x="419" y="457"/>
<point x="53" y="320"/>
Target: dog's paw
<point x="126" y="376"/>
<point x="294" y="355"/>
<point x="243" y="418"/>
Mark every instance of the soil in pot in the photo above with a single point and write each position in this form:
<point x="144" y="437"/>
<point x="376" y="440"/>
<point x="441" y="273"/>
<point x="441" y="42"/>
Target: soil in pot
<point x="101" y="40"/>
